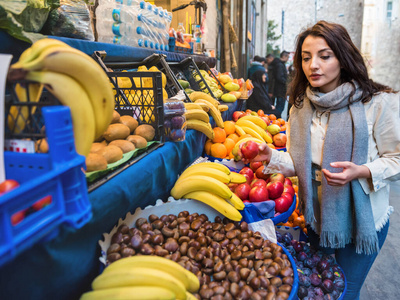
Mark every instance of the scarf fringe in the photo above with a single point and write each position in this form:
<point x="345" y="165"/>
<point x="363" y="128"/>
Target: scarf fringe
<point x="367" y="244"/>
<point x="385" y="219"/>
<point x="334" y="239"/>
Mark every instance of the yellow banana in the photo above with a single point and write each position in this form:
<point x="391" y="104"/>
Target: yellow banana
<point x="216" y="202"/>
<point x="139" y="276"/>
<point x="189" y="296"/>
<point x="237" y="178"/>
<point x="36" y="49"/>
<point x="201" y="126"/>
<point x="211" y="172"/>
<point x="214" y="112"/>
<point x="255" y="127"/>
<point x="223" y="107"/>
<point x="256" y="120"/>
<point x="18" y="115"/>
<point x="200" y="183"/>
<point x="236" y="202"/>
<point x="131" y="293"/>
<point x="209" y="164"/>
<point x="70" y="93"/>
<point x="239" y="130"/>
<point x="204" y="106"/>
<point x="86" y="72"/>
<point x="189" y="280"/>
<point x="191" y="105"/>
<point x="198" y="114"/>
<point x="200" y="95"/>
<point x="252" y="132"/>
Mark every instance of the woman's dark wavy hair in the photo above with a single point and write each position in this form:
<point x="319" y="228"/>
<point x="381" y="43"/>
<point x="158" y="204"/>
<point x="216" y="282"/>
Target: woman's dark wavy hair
<point x="351" y="62"/>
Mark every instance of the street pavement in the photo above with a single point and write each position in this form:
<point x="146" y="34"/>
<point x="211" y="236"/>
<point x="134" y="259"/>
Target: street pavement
<point x="383" y="280"/>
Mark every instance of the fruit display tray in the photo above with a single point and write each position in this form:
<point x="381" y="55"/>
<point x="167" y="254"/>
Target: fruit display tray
<point x="57" y="174"/>
<point x="174" y="207"/>
<point x="188" y="70"/>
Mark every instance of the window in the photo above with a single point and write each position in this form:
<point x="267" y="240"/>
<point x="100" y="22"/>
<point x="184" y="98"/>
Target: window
<point x="389" y="10"/>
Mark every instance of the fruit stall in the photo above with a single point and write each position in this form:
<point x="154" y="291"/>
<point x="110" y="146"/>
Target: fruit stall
<point x="161" y="136"/>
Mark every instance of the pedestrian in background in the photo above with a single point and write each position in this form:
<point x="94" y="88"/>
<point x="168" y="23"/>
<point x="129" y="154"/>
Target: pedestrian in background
<point x="259" y="99"/>
<point x="256" y="65"/>
<point x="344" y="146"/>
<point x="271" y="62"/>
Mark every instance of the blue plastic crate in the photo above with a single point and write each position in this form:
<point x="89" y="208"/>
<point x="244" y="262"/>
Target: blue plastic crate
<point x="57" y="174"/>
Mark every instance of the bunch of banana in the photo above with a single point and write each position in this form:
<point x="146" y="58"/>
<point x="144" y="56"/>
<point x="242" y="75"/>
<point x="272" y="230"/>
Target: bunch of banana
<point x="198" y="119"/>
<point x="144" y="277"/>
<point x="77" y="81"/>
<point x="207" y="182"/>
<point x="254" y="126"/>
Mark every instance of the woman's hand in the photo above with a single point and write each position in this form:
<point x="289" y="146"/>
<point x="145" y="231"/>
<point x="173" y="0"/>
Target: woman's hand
<point x="350" y="172"/>
<point x="264" y="154"/>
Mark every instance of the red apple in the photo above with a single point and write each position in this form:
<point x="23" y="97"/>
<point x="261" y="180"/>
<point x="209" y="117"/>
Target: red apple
<point x="254" y="165"/>
<point x="289" y="189"/>
<point x="242" y="191"/>
<point x="246" y="201"/>
<point x="258" y="194"/>
<point x="232" y="186"/>
<point x="258" y="182"/>
<point x="236" y="114"/>
<point x="8" y="185"/>
<point x="265" y="119"/>
<point x="282" y="204"/>
<point x="287" y="196"/>
<point x="249" y="149"/>
<point x="277" y="177"/>
<point x="247" y="171"/>
<point x="275" y="189"/>
<point x="288" y="182"/>
<point x="261" y="175"/>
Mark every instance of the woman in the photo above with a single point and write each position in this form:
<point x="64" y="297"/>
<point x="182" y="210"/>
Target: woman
<point x="344" y="146"/>
<point x="259" y="99"/>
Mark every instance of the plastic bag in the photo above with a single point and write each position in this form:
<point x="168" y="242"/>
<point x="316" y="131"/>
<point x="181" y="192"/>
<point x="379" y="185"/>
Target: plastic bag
<point x="71" y="19"/>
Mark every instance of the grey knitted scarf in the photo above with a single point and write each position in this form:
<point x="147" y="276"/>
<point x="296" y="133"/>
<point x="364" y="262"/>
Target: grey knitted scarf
<point x="346" y="213"/>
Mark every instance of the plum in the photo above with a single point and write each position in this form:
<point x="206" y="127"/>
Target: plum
<point x="322" y="265"/>
<point x="177" y="122"/>
<point x="300" y="265"/>
<point x="298" y="247"/>
<point x="307" y="271"/>
<point x="304" y="280"/>
<point x="329" y="258"/>
<point x="291" y="250"/>
<point x="315" y="279"/>
<point x="314" y="270"/>
<point x="177" y="135"/>
<point x="287" y="238"/>
<point x="318" y="291"/>
<point x="306" y="248"/>
<point x="339" y="284"/>
<point x="309" y="262"/>
<point x="335" y="294"/>
<point x="319" y="297"/>
<point x="279" y="237"/>
<point x="316" y="257"/>
<point x="301" y="256"/>
<point x="302" y="292"/>
<point x="327" y="274"/>
<point x="327" y="286"/>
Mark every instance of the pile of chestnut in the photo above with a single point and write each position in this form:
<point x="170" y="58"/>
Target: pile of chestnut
<point x="231" y="261"/>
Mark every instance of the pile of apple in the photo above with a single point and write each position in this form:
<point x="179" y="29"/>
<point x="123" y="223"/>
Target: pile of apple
<point x="276" y="127"/>
<point x="262" y="187"/>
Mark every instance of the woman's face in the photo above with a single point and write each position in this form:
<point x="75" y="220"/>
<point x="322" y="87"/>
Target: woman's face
<point x="320" y="64"/>
<point x="264" y="77"/>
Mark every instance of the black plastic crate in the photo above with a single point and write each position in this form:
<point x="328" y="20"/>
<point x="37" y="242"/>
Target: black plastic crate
<point x="203" y="66"/>
<point x="188" y="70"/>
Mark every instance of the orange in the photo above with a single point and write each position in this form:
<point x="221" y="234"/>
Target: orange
<point x="233" y="136"/>
<point x="281" y="121"/>
<point x="229" y="144"/>
<point x="218" y="150"/>
<point x="207" y="147"/>
<point x="296" y="188"/>
<point x="260" y="112"/>
<point x="272" y="117"/>
<point x="283" y="127"/>
<point x="219" y="135"/>
<point x="231" y="156"/>
<point x="229" y="127"/>
<point x="276" y="122"/>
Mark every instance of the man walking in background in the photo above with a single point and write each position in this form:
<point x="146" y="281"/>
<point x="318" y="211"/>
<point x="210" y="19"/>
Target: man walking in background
<point x="256" y="65"/>
<point x="278" y="78"/>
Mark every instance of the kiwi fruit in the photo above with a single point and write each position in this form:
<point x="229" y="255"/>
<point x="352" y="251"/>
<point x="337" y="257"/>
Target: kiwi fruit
<point x="146" y="131"/>
<point x="125" y="145"/>
<point x="137" y="140"/>
<point x="116" y="132"/>
<point x="129" y="121"/>
<point x="95" y="162"/>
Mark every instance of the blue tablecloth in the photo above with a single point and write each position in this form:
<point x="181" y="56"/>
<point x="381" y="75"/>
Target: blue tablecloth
<point x="114" y="52"/>
<point x="65" y="267"/>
